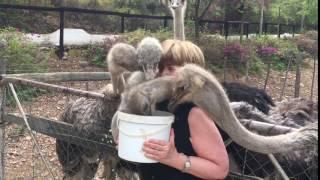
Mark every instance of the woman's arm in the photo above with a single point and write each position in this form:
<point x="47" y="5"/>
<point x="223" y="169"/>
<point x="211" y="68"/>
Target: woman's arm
<point x="212" y="160"/>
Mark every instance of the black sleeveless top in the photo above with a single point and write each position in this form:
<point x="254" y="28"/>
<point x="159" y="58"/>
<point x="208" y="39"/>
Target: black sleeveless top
<point x="158" y="171"/>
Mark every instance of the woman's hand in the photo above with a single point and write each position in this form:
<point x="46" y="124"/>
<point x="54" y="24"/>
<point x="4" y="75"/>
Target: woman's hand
<point x="162" y="151"/>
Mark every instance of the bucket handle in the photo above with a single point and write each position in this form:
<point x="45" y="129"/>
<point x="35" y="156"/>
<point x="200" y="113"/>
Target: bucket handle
<point x="143" y="134"/>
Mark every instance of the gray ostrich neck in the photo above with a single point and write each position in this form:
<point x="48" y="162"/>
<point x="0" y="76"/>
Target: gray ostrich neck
<point x="231" y="125"/>
<point x="178" y="26"/>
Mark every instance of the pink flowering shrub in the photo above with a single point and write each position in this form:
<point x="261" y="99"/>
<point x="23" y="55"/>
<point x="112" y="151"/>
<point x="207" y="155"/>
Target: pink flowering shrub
<point x="235" y="52"/>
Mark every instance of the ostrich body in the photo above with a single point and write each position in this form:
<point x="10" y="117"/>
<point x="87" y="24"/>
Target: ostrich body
<point x="258" y="98"/>
<point x="94" y="116"/>
<point x="299" y="164"/>
<point x="88" y="116"/>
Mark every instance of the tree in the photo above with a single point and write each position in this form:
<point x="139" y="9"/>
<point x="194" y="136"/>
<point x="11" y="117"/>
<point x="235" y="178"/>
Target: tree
<point x="296" y="11"/>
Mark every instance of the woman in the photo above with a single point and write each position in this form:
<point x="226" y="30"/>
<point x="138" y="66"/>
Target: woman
<point x="195" y="149"/>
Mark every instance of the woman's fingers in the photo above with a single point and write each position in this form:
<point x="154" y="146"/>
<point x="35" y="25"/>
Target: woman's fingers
<point x="160" y="142"/>
<point x="156" y="146"/>
<point x="151" y="151"/>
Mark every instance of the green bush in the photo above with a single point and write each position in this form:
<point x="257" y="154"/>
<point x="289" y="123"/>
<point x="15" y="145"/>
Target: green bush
<point x="286" y="49"/>
<point x="136" y="36"/>
<point x="255" y="63"/>
<point x="21" y="56"/>
<point x="256" y="66"/>
<point x="312" y="35"/>
<point x="96" y="55"/>
<point x="261" y="41"/>
<point x="212" y="48"/>
<point x="306" y="44"/>
<point x="24" y="93"/>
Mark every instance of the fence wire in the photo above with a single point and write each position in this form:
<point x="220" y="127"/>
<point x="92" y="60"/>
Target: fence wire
<point x="22" y="159"/>
<point x="256" y="164"/>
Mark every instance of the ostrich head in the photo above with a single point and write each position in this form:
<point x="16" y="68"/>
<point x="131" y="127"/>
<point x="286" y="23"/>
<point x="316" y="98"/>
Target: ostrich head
<point x="177" y="4"/>
<point x="149" y="53"/>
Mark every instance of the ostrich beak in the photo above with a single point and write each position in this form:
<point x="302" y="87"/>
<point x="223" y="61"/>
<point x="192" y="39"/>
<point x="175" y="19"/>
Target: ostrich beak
<point x="177" y="99"/>
<point x="150" y="74"/>
<point x="175" y="6"/>
<point x="150" y="71"/>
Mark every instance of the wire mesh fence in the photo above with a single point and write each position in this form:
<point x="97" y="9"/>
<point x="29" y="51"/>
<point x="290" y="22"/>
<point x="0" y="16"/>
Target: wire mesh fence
<point x="78" y="154"/>
<point x="259" y="165"/>
<point x="22" y="158"/>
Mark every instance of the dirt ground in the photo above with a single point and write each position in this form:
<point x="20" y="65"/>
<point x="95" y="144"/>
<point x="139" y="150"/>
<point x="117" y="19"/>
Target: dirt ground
<point x="22" y="160"/>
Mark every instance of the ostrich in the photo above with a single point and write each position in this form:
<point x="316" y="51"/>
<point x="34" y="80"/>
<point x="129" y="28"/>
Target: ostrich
<point x="286" y="113"/>
<point x="122" y="57"/>
<point x="195" y="84"/>
<point x="236" y="92"/>
<point x="178" y="10"/>
<point x="93" y="116"/>
<point x="125" y="58"/>
<point x="299" y="164"/>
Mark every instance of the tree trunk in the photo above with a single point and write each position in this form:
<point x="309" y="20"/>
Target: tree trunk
<point x="279" y="28"/>
<point x="196" y="22"/>
<point x="261" y="18"/>
<point x="302" y="23"/>
<point x="205" y="10"/>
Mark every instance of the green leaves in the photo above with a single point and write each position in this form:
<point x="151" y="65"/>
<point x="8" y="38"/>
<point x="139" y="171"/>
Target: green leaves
<point x="21" y="55"/>
<point x="293" y="10"/>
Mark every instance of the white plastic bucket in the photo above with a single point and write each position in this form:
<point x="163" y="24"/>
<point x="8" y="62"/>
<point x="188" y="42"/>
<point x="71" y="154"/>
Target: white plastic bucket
<point x="135" y="129"/>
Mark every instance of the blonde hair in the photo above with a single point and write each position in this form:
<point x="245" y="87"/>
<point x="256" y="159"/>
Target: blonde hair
<point x="179" y="53"/>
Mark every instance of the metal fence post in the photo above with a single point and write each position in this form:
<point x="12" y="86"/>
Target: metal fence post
<point x="265" y="28"/>
<point x="122" y="24"/>
<point x="247" y="30"/>
<point x="293" y="29"/>
<point x="226" y="29"/>
<point x="279" y="31"/>
<point x="61" y="46"/>
<point x="221" y="29"/>
<point x="165" y="22"/>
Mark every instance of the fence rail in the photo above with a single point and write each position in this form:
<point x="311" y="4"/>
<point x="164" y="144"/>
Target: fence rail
<point x="225" y="24"/>
<point x="65" y="131"/>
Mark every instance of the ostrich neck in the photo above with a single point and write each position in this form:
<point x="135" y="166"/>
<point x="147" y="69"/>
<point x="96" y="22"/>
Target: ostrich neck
<point x="219" y="110"/>
<point x="178" y="26"/>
